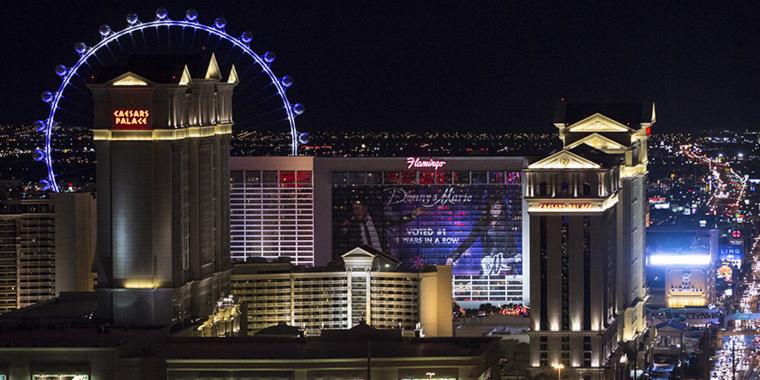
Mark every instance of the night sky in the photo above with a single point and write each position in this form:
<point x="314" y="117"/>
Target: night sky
<point x="460" y="65"/>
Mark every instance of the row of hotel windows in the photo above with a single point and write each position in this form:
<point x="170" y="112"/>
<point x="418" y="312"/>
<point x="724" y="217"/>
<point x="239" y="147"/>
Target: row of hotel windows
<point x="426" y="178"/>
<point x="543" y="351"/>
<point x="565" y="272"/>
<point x="272" y="178"/>
<point x="564" y="190"/>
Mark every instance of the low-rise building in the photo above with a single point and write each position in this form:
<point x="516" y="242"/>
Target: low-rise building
<point x="61" y="339"/>
<point x="368" y="287"/>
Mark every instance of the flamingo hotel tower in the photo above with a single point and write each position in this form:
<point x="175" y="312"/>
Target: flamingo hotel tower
<point x="162" y="129"/>
<point x="587" y="216"/>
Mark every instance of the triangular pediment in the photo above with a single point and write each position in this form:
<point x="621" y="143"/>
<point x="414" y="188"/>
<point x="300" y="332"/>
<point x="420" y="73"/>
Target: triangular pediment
<point x="564" y="159"/>
<point x="598" y="123"/>
<point x="213" y="71"/>
<point x="129" y="79"/>
<point x="358" y="252"/>
<point x="597" y="141"/>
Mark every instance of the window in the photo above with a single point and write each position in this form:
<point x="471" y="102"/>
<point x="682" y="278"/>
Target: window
<point x="392" y="178"/>
<point x="356" y="178"/>
<point x="479" y="177"/>
<point x="270" y="176"/>
<point x="374" y="178"/>
<point x="496" y="177"/>
<point x="408" y="177"/>
<point x="461" y="177"/>
<point x="543" y="258"/>
<point x="586" y="189"/>
<point x="586" y="274"/>
<point x="542" y="189"/>
<point x="565" y="247"/>
<point x="287" y="178"/>
<point x="303" y="177"/>
<point x="236" y="176"/>
<point x="253" y="177"/>
<point x="340" y="178"/>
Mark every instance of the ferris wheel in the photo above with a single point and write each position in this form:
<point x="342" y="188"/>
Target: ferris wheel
<point x="265" y="96"/>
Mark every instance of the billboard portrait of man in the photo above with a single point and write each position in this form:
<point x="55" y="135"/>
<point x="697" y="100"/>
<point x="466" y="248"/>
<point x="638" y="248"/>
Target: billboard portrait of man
<point x="360" y="228"/>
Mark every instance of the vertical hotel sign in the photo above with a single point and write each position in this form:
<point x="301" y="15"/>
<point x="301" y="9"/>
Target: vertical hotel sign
<point x="131" y="119"/>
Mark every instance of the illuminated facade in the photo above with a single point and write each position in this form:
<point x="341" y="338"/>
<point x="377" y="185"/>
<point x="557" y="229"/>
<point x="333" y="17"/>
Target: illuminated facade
<point x="680" y="266"/>
<point x="423" y="211"/>
<point x="27" y="253"/>
<point x="75" y="236"/>
<point x="272" y="208"/>
<point x="587" y="209"/>
<point x="162" y="134"/>
<point x="369" y="288"/>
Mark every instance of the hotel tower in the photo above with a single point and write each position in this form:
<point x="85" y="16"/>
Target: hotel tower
<point x="587" y="211"/>
<point x="162" y="133"/>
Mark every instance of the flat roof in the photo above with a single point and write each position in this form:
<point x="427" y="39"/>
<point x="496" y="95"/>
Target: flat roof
<point x="270" y="348"/>
<point x="374" y="163"/>
<point x="70" y="337"/>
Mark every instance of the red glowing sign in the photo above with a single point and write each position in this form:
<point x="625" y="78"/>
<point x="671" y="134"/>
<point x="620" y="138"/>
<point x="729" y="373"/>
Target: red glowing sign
<point x="131" y="119"/>
<point x="565" y="205"/>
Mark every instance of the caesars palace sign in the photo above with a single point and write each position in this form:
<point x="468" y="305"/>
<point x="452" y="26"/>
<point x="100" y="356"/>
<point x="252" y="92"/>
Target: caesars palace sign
<point x="131" y="119"/>
<point x="565" y="205"/>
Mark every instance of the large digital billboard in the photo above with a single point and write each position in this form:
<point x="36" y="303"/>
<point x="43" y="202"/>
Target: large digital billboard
<point x="469" y="219"/>
<point x="669" y="247"/>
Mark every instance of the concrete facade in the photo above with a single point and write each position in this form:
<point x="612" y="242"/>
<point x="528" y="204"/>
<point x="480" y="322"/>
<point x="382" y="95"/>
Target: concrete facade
<point x="587" y="209"/>
<point x="163" y="192"/>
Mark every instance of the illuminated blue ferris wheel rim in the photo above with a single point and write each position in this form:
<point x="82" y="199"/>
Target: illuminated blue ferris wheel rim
<point x="135" y="25"/>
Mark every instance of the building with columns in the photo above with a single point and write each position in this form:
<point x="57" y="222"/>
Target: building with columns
<point x="368" y="288"/>
<point x="587" y="211"/>
<point x="162" y="129"/>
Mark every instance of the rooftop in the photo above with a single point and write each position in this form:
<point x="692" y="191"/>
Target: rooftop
<point x="630" y="114"/>
<point x="321" y="348"/>
<point x="159" y="68"/>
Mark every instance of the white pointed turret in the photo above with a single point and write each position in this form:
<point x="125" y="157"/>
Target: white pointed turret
<point x="213" y="71"/>
<point x="185" y="79"/>
<point x="233" y="78"/>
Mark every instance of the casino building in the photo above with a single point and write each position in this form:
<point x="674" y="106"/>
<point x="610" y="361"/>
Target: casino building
<point x="162" y="133"/>
<point x="586" y="210"/>
<point x="27" y="253"/>
<point x="681" y="266"/>
<point x="464" y="211"/>
<point x="368" y="288"/>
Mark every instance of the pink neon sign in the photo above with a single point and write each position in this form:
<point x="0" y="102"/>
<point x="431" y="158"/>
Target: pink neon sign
<point x="419" y="163"/>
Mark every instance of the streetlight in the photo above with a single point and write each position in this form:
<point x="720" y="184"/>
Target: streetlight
<point x="430" y="374"/>
<point x="559" y="367"/>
